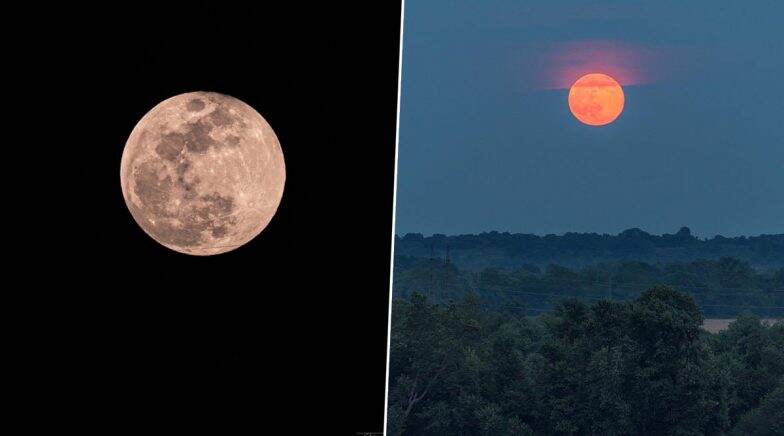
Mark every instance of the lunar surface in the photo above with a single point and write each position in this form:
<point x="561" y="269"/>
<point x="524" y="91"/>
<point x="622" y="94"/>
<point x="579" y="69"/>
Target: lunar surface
<point x="202" y="173"/>
<point x="596" y="99"/>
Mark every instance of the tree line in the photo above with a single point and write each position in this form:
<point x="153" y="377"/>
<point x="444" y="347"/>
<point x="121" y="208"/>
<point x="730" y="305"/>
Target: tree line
<point x="503" y="249"/>
<point x="722" y="288"/>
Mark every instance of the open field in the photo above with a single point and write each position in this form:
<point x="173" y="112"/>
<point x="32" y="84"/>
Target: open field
<point x="715" y="325"/>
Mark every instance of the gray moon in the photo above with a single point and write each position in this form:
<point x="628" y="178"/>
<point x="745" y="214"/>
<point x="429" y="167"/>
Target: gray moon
<point x="202" y="173"/>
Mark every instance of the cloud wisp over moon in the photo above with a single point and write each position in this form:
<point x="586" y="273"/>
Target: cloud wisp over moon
<point x="558" y="65"/>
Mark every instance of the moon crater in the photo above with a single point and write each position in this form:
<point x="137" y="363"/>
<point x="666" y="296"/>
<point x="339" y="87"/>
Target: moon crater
<point x="202" y="173"/>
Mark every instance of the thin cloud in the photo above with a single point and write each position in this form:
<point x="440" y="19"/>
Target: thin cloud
<point x="558" y="65"/>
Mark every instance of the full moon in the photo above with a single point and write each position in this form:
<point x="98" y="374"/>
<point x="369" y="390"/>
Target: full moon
<point x="202" y="173"/>
<point x="596" y="99"/>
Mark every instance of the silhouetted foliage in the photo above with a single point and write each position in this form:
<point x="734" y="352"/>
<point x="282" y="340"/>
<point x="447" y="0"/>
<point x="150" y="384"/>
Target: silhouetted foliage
<point x="642" y="366"/>
<point x="722" y="288"/>
<point x="767" y="419"/>
<point x="512" y="250"/>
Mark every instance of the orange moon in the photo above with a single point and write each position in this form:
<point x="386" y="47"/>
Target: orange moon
<point x="596" y="99"/>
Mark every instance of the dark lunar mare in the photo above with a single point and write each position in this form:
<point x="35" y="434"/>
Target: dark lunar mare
<point x="197" y="212"/>
<point x="196" y="138"/>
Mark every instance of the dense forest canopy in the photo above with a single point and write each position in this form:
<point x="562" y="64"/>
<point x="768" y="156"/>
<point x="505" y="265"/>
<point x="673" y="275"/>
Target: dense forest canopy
<point x="642" y="366"/>
<point x="586" y="334"/>
<point x="510" y="250"/>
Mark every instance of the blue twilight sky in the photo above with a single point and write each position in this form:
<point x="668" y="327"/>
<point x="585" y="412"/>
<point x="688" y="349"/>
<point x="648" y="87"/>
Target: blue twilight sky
<point x="486" y="145"/>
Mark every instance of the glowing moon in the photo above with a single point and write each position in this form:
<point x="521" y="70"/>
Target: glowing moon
<point x="596" y="99"/>
<point x="202" y="173"/>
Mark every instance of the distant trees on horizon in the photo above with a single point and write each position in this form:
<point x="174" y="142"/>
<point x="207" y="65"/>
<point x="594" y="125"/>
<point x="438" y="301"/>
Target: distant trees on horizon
<point x="503" y="249"/>
<point x="722" y="288"/>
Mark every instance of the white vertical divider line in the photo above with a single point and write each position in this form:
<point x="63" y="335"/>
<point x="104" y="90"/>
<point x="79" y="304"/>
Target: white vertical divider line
<point x="394" y="209"/>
